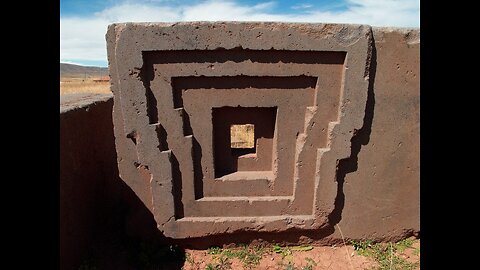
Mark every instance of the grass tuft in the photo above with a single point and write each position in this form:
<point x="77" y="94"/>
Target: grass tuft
<point x="250" y="256"/>
<point x="387" y="255"/>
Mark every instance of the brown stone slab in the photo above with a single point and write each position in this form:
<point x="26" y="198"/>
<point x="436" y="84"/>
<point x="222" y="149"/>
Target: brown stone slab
<point x="173" y="85"/>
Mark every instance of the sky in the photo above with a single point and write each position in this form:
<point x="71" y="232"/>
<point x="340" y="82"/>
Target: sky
<point x="83" y="23"/>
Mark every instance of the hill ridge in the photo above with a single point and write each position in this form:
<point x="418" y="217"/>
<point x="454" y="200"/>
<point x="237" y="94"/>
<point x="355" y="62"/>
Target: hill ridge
<point x="77" y="71"/>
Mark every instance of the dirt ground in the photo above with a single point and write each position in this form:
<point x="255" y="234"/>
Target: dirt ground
<point x="122" y="254"/>
<point x="324" y="257"/>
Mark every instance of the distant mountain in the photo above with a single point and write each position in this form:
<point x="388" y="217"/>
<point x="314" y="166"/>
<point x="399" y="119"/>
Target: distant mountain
<point x="76" y="71"/>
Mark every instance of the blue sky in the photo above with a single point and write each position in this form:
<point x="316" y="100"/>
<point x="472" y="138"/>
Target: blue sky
<point x="88" y="7"/>
<point x="83" y="23"/>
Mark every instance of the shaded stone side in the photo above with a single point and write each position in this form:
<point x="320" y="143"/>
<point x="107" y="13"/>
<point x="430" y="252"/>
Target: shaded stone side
<point x="87" y="172"/>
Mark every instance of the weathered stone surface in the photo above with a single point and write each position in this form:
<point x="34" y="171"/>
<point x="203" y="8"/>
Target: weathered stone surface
<point x="382" y="184"/>
<point x="179" y="87"/>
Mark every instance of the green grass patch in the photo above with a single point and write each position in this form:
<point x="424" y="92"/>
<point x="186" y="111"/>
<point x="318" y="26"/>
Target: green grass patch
<point x="386" y="254"/>
<point x="250" y="256"/>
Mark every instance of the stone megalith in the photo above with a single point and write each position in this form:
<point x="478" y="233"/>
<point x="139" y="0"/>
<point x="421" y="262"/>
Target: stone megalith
<point x="180" y="90"/>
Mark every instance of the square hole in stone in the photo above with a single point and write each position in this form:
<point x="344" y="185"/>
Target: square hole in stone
<point x="243" y="139"/>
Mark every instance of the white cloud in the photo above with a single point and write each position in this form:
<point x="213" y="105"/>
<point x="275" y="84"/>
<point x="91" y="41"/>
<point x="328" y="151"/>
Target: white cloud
<point x="71" y="62"/>
<point x="84" y="37"/>
<point x="229" y="11"/>
<point x="302" y="6"/>
<point x="139" y="13"/>
<point x="264" y="5"/>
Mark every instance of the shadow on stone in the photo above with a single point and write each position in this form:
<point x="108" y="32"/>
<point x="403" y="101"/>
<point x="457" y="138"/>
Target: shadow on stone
<point x="125" y="234"/>
<point x="361" y="137"/>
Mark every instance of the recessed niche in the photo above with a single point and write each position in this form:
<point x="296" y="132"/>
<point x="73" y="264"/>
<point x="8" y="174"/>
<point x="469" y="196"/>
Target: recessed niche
<point x="243" y="139"/>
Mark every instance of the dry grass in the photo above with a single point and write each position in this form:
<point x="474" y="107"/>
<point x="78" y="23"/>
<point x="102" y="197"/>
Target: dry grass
<point x="75" y="85"/>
